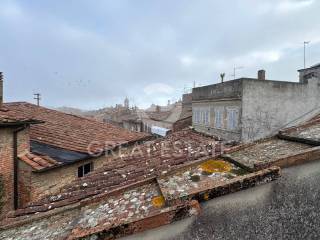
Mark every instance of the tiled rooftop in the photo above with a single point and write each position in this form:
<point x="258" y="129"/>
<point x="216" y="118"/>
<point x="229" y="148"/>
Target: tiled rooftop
<point x="131" y="205"/>
<point x="9" y="117"/>
<point x="202" y="175"/>
<point x="124" y="211"/>
<point x="266" y="152"/>
<point x="69" y="131"/>
<point x="109" y="212"/>
<point x="130" y="169"/>
<point x="151" y="187"/>
<point x="308" y="132"/>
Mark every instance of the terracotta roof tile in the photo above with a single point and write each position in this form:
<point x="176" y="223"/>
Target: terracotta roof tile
<point x="38" y="162"/>
<point x="69" y="131"/>
<point x="10" y="117"/>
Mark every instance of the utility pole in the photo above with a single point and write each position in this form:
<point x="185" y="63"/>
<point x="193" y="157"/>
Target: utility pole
<point x="234" y="71"/>
<point x="304" y="53"/>
<point x="37" y="96"/>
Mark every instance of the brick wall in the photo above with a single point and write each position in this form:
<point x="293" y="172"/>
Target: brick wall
<point x="1" y="193"/>
<point x="6" y="165"/>
<point x="6" y="161"/>
<point x="24" y="180"/>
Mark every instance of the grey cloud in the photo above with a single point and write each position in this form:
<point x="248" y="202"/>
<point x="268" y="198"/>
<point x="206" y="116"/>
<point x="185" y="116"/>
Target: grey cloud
<point x="89" y="55"/>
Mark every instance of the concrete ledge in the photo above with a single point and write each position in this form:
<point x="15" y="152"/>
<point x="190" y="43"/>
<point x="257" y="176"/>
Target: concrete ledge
<point x="300" y="158"/>
<point x="297" y="139"/>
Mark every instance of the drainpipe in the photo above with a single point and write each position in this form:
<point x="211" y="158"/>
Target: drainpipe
<point x="15" y="166"/>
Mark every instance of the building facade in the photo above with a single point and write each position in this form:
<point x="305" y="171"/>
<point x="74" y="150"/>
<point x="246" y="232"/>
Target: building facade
<point x="248" y="109"/>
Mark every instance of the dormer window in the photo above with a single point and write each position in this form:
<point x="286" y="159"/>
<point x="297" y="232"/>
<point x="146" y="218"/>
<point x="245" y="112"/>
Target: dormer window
<point x="85" y="169"/>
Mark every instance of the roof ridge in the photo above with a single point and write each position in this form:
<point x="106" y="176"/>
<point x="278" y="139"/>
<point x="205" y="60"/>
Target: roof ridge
<point x="48" y="108"/>
<point x="70" y="114"/>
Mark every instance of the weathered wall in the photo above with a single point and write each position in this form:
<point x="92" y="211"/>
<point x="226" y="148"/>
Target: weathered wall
<point x="6" y="161"/>
<point x="230" y="89"/>
<point x="133" y="126"/>
<point x="211" y="129"/>
<point x="268" y="106"/>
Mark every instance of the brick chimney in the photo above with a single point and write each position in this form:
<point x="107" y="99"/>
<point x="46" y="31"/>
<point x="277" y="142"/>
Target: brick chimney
<point x="1" y="89"/>
<point x="261" y="75"/>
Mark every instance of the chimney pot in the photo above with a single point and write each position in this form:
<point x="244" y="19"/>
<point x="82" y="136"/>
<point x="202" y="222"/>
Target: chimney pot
<point x="1" y="89"/>
<point x="261" y="75"/>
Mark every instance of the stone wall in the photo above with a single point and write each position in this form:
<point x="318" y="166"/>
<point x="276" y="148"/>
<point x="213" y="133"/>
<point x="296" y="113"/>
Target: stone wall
<point x="34" y="185"/>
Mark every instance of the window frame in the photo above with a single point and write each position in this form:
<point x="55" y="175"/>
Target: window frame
<point x="218" y="124"/>
<point x="82" y="171"/>
<point x="232" y="117"/>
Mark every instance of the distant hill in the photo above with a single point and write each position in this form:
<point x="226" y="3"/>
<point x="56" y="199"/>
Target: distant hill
<point x="71" y="110"/>
<point x="99" y="114"/>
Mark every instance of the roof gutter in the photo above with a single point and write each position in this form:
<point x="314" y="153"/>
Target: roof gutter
<point x="19" y="123"/>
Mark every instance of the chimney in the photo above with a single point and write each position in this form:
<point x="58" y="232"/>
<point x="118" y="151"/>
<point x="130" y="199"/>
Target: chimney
<point x="261" y="75"/>
<point x="1" y="89"/>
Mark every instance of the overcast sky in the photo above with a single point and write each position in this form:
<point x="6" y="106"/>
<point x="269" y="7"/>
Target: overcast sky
<point x="90" y="54"/>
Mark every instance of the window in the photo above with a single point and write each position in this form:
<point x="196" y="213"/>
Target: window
<point x="109" y="152"/>
<point x="232" y="119"/>
<point x="202" y="117"/>
<point x="218" y="118"/>
<point x="85" y="169"/>
<point x="197" y="116"/>
<point x="206" y="117"/>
